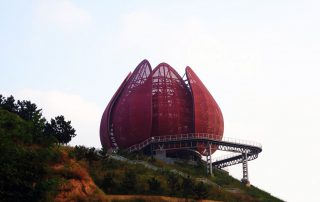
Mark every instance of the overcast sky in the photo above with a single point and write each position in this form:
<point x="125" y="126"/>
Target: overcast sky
<point x="259" y="59"/>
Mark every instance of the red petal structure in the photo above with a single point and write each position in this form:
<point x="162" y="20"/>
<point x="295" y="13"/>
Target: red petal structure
<point x="107" y="139"/>
<point x="159" y="103"/>
<point x="132" y="116"/>
<point x="128" y="117"/>
<point x="207" y="114"/>
<point x="171" y="101"/>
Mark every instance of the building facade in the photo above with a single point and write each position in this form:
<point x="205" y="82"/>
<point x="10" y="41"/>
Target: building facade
<point x="158" y="102"/>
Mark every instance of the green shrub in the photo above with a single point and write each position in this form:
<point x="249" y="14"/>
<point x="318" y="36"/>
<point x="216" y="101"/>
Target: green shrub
<point x="108" y="184"/>
<point x="128" y="183"/>
<point x="187" y="187"/>
<point x="201" y="190"/>
<point x="173" y="183"/>
<point x="154" y="186"/>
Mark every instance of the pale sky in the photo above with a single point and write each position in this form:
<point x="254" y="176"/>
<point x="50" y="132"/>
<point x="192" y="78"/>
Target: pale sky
<point x="259" y="59"/>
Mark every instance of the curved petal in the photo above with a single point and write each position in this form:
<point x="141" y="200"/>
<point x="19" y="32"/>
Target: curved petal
<point x="171" y="102"/>
<point x="132" y="112"/>
<point x="207" y="114"/>
<point x="106" y="138"/>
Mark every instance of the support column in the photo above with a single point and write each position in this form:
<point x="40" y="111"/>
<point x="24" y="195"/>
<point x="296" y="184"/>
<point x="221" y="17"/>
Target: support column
<point x="161" y="154"/>
<point x="152" y="147"/>
<point x="209" y="160"/>
<point x="245" y="178"/>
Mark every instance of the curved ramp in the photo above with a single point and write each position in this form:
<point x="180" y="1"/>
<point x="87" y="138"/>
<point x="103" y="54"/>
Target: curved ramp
<point x="244" y="150"/>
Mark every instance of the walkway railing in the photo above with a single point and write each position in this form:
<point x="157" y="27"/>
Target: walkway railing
<point x="245" y="150"/>
<point x="193" y="136"/>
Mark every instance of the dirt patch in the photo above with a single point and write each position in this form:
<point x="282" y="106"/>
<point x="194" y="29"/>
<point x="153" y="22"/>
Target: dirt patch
<point x="78" y="185"/>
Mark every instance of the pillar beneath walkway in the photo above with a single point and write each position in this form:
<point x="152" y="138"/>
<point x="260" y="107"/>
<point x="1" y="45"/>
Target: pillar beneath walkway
<point x="209" y="160"/>
<point x="245" y="178"/>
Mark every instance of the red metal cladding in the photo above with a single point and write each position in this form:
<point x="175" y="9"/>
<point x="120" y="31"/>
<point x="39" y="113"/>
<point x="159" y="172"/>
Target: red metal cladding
<point x="131" y="119"/>
<point x="105" y="137"/>
<point x="159" y="103"/>
<point x="171" y="103"/>
<point x="207" y="114"/>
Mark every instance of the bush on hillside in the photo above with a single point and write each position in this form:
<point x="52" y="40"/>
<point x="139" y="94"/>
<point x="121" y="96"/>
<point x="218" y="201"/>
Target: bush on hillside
<point x="108" y="184"/>
<point x="128" y="184"/>
<point x="201" y="190"/>
<point x="173" y="183"/>
<point x="82" y="152"/>
<point x="154" y="186"/>
<point x="187" y="187"/>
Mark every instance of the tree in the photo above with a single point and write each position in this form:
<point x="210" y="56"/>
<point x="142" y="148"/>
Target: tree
<point x="30" y="112"/>
<point x="27" y="111"/>
<point x="201" y="190"/>
<point x="92" y="155"/>
<point x="60" y="129"/>
<point x="9" y="104"/>
<point x="154" y="186"/>
<point x="1" y="100"/>
<point x="80" y="152"/>
<point x="103" y="151"/>
<point x="173" y="183"/>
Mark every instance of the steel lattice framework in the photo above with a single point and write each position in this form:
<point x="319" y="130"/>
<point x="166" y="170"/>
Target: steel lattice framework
<point x="171" y="101"/>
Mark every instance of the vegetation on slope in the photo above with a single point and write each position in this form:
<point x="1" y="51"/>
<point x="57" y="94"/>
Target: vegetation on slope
<point x="112" y="176"/>
<point x="34" y="166"/>
<point x="29" y="147"/>
<point x="24" y="166"/>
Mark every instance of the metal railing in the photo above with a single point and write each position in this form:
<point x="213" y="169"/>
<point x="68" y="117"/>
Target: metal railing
<point x="193" y="136"/>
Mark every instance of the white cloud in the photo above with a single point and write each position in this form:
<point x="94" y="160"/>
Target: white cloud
<point x="63" y="14"/>
<point x="84" y="115"/>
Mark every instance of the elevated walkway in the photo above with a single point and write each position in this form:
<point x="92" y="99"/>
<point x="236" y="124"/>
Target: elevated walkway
<point x="244" y="150"/>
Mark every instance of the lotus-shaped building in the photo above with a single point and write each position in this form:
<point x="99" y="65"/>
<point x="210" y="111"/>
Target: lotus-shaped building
<point x="159" y="103"/>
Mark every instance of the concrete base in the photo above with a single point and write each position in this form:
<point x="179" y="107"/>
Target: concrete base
<point x="161" y="155"/>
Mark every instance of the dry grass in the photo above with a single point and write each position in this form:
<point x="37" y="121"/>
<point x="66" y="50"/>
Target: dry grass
<point x="78" y="185"/>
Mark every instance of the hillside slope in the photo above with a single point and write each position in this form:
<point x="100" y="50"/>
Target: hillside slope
<point x="45" y="171"/>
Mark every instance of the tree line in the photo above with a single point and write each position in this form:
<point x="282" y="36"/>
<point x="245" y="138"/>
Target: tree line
<point x="57" y="129"/>
<point x="28" y="145"/>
